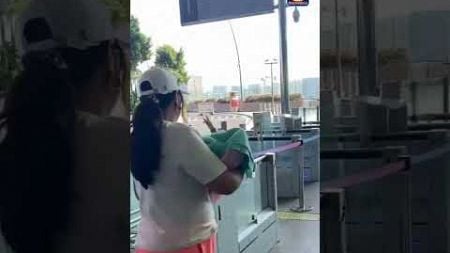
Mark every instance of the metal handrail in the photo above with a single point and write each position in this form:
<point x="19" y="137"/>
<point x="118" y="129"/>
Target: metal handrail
<point x="367" y="175"/>
<point x="296" y="143"/>
<point x="430" y="117"/>
<point x="281" y="149"/>
<point x="260" y="158"/>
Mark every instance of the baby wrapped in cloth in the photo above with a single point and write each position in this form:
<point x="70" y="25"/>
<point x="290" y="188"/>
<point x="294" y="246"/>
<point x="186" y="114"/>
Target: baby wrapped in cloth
<point x="233" y="139"/>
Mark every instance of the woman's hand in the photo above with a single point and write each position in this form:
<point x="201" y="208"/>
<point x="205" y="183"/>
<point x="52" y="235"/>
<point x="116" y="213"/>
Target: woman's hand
<point x="209" y="124"/>
<point x="233" y="159"/>
<point x="231" y="179"/>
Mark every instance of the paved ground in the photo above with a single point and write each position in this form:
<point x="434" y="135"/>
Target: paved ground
<point x="300" y="236"/>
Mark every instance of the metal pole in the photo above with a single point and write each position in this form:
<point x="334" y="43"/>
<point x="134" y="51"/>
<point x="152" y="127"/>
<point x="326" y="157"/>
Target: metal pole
<point x="446" y="97"/>
<point x="271" y="62"/>
<point x="407" y="206"/>
<point x="271" y="80"/>
<point x="338" y="49"/>
<point x="367" y="52"/>
<point x="367" y="62"/>
<point x="299" y="172"/>
<point x="239" y="61"/>
<point x="284" y="79"/>
<point x="318" y="113"/>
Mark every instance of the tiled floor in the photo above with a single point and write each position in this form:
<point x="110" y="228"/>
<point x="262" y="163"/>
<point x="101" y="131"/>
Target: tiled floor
<point x="300" y="236"/>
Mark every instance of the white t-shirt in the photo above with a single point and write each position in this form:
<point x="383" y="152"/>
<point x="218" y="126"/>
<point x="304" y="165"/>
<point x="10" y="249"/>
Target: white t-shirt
<point x="177" y="212"/>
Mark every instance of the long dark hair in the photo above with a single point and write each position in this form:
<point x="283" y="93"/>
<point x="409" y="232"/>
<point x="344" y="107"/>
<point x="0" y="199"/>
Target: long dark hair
<point x="146" y="140"/>
<point x="36" y="155"/>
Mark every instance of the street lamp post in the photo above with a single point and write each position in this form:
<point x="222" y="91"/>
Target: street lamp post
<point x="238" y="60"/>
<point x="272" y="62"/>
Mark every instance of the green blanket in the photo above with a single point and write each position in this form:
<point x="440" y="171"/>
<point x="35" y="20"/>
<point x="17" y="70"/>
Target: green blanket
<point x="234" y="139"/>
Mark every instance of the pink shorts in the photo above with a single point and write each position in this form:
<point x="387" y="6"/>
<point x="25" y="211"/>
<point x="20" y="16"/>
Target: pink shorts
<point x="208" y="246"/>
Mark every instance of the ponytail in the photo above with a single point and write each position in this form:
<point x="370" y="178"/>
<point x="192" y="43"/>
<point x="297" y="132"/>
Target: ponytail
<point x="35" y="156"/>
<point x="146" y="140"/>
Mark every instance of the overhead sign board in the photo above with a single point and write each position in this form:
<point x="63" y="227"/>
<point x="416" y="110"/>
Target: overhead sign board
<point x="298" y="2"/>
<point x="204" y="11"/>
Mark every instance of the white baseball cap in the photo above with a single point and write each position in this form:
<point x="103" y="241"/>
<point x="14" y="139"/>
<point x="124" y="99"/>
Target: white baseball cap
<point x="75" y="23"/>
<point x="159" y="81"/>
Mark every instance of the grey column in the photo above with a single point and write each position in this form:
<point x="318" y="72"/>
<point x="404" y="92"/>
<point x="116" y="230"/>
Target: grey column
<point x="284" y="79"/>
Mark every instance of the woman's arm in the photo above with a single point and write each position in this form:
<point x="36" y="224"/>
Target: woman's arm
<point x="231" y="179"/>
<point x="221" y="176"/>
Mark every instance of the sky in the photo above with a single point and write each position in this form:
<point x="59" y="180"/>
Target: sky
<point x="210" y="51"/>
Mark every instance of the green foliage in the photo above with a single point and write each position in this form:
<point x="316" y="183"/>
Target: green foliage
<point x="168" y="57"/>
<point x="120" y="10"/>
<point x="134" y="100"/>
<point x="349" y="59"/>
<point x="328" y="59"/>
<point x="9" y="65"/>
<point x="140" y="51"/>
<point x="267" y="98"/>
<point x="14" y="7"/>
<point x="387" y="56"/>
<point x="9" y="56"/>
<point x="140" y="44"/>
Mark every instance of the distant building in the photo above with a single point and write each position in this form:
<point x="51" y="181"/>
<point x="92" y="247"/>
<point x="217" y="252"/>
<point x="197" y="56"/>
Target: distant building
<point x="396" y="32"/>
<point x="254" y="89"/>
<point x="276" y="89"/>
<point x="404" y="31"/>
<point x="392" y="32"/>
<point x="347" y="25"/>
<point x="427" y="25"/>
<point x="310" y="88"/>
<point x="295" y="87"/>
<point x="195" y="88"/>
<point x="220" y="91"/>
<point x="208" y="95"/>
<point x="235" y="89"/>
<point x="268" y="89"/>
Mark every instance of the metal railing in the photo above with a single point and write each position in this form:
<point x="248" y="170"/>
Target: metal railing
<point x="333" y="192"/>
<point x="297" y="160"/>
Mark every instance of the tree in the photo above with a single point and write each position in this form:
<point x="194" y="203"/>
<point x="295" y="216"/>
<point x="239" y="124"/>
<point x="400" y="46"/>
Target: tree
<point x="168" y="57"/>
<point x="120" y="10"/>
<point x="140" y="44"/>
<point x="9" y="56"/>
<point x="134" y="100"/>
<point x="140" y="51"/>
